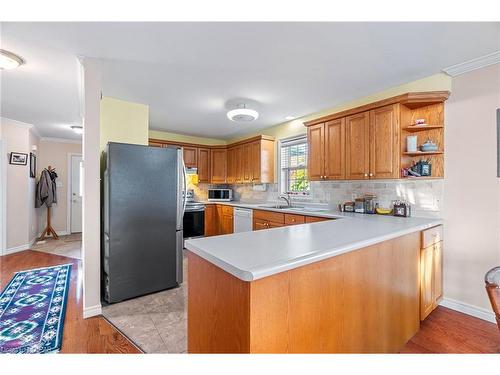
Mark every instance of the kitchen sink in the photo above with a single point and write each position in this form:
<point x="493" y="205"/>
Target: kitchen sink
<point x="281" y="207"/>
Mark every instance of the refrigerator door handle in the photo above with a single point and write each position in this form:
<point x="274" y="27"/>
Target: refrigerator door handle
<point x="185" y="187"/>
<point x="180" y="190"/>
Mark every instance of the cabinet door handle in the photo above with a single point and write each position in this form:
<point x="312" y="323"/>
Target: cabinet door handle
<point x="371" y="174"/>
<point x="366" y="174"/>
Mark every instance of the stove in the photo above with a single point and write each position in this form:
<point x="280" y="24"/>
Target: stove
<point x="194" y="217"/>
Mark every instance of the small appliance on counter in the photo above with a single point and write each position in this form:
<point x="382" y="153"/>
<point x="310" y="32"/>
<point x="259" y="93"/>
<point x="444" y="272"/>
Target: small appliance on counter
<point x="370" y="204"/>
<point x="220" y="195"/>
<point x="401" y="208"/>
<point x="349" y="206"/>
<point x="359" y="205"/>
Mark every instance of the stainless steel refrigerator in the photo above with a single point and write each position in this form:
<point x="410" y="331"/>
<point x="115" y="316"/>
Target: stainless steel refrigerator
<point x="143" y="206"/>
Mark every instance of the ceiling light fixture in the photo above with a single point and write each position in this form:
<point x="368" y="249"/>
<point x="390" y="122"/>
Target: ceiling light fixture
<point x="243" y="114"/>
<point x="77" y="129"/>
<point x="289" y="118"/>
<point x="9" y="60"/>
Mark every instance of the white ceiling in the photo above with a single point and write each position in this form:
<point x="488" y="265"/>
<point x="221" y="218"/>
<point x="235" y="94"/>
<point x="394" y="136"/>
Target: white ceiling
<point x="188" y="72"/>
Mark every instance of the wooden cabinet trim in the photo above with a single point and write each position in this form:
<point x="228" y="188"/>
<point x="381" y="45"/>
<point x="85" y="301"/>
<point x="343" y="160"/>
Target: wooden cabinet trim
<point x="411" y="100"/>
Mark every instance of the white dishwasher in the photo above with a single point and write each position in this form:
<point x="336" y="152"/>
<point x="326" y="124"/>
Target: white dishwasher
<point x="242" y="220"/>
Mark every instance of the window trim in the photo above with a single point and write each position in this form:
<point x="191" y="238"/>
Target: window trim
<point x="307" y="197"/>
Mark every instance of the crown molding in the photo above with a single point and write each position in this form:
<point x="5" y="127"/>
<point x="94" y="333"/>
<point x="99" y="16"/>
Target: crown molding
<point x="469" y="66"/>
<point x="60" y="140"/>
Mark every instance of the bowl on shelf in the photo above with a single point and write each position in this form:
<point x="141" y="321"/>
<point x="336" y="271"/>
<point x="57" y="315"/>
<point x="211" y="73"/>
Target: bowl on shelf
<point x="429" y="146"/>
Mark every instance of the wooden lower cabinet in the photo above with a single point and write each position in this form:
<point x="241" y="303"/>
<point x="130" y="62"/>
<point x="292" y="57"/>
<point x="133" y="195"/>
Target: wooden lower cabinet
<point x="315" y="219"/>
<point x="211" y="223"/>
<point x="270" y="219"/>
<point x="364" y="301"/>
<point x="226" y="219"/>
<point x="219" y="219"/>
<point x="431" y="271"/>
<point x="291" y="219"/>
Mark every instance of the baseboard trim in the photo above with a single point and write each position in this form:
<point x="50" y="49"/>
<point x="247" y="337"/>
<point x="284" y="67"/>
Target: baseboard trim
<point x="91" y="311"/>
<point x="468" y="309"/>
<point x="16" y="249"/>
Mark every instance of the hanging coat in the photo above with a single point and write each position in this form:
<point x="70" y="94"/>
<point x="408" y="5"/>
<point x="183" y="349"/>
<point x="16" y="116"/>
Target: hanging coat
<point x="46" y="189"/>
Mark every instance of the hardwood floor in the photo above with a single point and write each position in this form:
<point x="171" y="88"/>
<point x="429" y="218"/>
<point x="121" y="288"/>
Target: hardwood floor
<point x="448" y="331"/>
<point x="94" y="335"/>
<point x="444" y="331"/>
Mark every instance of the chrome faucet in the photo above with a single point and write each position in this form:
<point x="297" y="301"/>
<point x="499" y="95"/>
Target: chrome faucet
<point x="287" y="199"/>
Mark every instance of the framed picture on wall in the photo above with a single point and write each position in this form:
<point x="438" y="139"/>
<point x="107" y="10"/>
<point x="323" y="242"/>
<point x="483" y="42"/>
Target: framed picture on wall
<point x="32" y="165"/>
<point x="18" y="158"/>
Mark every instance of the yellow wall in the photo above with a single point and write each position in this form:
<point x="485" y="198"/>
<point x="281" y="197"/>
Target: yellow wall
<point x="124" y="122"/>
<point x="157" y="134"/>
<point x="437" y="82"/>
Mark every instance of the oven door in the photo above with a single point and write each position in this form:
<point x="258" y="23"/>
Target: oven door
<point x="194" y="223"/>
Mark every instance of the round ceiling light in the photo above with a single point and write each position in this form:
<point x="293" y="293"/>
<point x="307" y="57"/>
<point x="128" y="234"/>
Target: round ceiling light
<point x="9" y="60"/>
<point x="243" y="115"/>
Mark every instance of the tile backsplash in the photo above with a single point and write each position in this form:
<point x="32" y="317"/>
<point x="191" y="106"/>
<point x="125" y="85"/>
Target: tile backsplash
<point x="425" y="196"/>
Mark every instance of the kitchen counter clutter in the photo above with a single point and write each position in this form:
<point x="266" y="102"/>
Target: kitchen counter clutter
<point x="254" y="255"/>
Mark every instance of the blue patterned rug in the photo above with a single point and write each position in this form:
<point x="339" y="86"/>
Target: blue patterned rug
<point x="32" y="309"/>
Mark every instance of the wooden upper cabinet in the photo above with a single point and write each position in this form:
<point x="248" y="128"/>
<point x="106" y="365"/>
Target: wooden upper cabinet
<point x="238" y="164"/>
<point x="256" y="161"/>
<point x="203" y="164"/>
<point x="156" y="144"/>
<point x="231" y="165"/>
<point x="190" y="157"/>
<point x="357" y="146"/>
<point x="316" y="145"/>
<point x="218" y="166"/>
<point x="247" y="162"/>
<point x="384" y="142"/>
<point x="334" y="146"/>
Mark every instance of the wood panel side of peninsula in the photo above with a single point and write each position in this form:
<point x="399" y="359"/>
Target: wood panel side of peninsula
<point x="363" y="301"/>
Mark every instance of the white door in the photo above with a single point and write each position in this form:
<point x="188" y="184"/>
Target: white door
<point x="76" y="193"/>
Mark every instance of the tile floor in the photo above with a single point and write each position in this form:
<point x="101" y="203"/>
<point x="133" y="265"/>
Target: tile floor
<point x="68" y="246"/>
<point x="157" y="323"/>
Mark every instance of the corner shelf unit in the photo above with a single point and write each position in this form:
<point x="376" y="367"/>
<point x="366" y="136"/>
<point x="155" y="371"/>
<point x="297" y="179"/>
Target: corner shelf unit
<point x="421" y="153"/>
<point x="432" y="110"/>
<point x="419" y="128"/>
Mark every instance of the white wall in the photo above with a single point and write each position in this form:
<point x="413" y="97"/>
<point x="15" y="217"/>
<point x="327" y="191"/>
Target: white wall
<point x="20" y="215"/>
<point x="91" y="244"/>
<point x="472" y="190"/>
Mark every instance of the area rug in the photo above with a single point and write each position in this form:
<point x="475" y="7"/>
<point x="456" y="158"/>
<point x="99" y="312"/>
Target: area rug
<point x="32" y="309"/>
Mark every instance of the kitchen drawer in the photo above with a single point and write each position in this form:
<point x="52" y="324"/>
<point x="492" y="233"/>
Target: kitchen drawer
<point x="269" y="216"/>
<point x="432" y="235"/>
<point x="291" y="219"/>
<point x="315" y="219"/>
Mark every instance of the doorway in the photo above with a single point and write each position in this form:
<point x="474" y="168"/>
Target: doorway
<point x="75" y="193"/>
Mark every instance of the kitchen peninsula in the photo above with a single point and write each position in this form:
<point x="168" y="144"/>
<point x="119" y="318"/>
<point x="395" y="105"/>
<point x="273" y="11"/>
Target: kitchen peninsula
<point x="351" y="285"/>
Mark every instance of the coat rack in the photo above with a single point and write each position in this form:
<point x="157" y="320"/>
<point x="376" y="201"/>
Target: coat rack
<point x="48" y="229"/>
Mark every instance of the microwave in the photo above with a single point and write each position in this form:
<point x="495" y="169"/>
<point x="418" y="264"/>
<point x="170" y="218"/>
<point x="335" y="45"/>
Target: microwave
<point x="220" y="195"/>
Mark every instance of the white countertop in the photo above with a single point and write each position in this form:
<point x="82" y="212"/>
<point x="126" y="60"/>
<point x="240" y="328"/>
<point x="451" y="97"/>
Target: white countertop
<point x="253" y="255"/>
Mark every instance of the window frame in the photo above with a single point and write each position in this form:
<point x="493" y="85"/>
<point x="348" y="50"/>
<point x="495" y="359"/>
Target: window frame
<point x="281" y="185"/>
